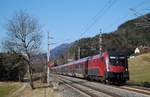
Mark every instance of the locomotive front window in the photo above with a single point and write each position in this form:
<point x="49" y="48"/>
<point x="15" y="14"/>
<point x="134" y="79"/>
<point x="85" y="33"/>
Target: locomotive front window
<point x="117" y="60"/>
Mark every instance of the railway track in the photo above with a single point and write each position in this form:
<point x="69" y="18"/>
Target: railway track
<point x="112" y="91"/>
<point x="136" y="89"/>
<point x="90" y="91"/>
<point x="77" y="90"/>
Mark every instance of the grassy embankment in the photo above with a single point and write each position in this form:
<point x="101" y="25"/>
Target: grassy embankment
<point x="7" y="88"/>
<point x="139" y="69"/>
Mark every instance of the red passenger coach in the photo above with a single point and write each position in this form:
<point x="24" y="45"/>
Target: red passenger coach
<point x="96" y="67"/>
<point x="110" y="67"/>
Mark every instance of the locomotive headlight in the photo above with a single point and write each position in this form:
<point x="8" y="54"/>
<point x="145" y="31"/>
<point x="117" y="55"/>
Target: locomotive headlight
<point x="126" y="69"/>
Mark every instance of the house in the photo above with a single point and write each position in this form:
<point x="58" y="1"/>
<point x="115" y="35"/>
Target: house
<point x="137" y="51"/>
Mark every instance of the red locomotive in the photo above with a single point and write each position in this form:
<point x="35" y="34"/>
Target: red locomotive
<point x="110" y="67"/>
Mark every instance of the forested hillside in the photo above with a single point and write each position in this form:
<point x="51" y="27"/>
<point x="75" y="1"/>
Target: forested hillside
<point x="127" y="37"/>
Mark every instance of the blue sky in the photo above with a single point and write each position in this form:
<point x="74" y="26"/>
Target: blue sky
<point x="66" y="20"/>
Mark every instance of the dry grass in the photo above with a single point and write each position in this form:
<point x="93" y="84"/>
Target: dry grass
<point x="41" y="90"/>
<point x="139" y="68"/>
<point x="6" y="88"/>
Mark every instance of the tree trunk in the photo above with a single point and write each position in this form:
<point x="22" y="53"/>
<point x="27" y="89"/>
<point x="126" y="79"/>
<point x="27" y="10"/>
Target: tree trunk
<point x="30" y="75"/>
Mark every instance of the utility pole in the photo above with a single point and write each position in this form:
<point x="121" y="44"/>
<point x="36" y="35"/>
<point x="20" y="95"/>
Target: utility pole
<point x="48" y="58"/>
<point x="48" y="55"/>
<point x="79" y="52"/>
<point x="100" y="42"/>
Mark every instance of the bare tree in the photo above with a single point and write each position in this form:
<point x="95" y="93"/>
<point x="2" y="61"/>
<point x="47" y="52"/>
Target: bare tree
<point x="24" y="37"/>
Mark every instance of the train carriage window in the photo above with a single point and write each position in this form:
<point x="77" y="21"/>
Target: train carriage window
<point x="79" y="68"/>
<point x="76" y="66"/>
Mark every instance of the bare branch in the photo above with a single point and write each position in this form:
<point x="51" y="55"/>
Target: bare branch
<point x="24" y="36"/>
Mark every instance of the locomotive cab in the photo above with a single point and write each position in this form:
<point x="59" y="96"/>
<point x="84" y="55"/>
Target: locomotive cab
<point x="117" y="67"/>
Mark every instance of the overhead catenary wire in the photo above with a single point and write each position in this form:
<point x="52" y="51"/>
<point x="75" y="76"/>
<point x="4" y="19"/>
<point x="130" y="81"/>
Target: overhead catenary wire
<point x="139" y="14"/>
<point x="101" y="13"/>
<point x="126" y="14"/>
<point x="98" y="16"/>
<point x="145" y="18"/>
<point x="139" y="4"/>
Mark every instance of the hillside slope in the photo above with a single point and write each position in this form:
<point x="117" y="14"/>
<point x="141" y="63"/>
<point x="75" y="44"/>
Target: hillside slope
<point x="139" y="68"/>
<point x="129" y="35"/>
<point x="59" y="50"/>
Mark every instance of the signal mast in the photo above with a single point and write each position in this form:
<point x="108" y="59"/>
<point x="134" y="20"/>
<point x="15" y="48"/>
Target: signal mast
<point x="100" y="43"/>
